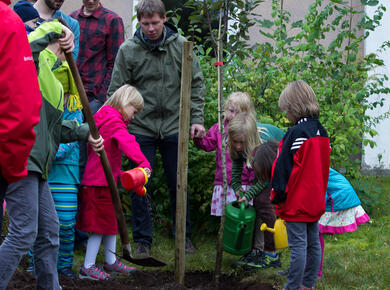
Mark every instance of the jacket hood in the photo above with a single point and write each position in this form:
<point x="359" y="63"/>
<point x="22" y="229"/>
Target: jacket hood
<point x="169" y="33"/>
<point x="105" y="114"/>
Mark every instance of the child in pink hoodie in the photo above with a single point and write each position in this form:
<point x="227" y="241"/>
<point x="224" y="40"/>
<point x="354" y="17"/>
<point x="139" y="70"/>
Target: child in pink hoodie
<point x="97" y="214"/>
<point x="237" y="102"/>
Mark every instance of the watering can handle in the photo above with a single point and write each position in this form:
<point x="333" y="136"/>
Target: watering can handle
<point x="242" y="208"/>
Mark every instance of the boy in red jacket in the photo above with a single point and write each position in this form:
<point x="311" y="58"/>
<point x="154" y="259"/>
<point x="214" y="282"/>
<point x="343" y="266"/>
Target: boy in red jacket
<point x="299" y="179"/>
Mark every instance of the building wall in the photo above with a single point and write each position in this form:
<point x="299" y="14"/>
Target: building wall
<point x="371" y="158"/>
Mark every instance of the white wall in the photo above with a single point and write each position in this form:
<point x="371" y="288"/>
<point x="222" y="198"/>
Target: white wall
<point x="370" y="159"/>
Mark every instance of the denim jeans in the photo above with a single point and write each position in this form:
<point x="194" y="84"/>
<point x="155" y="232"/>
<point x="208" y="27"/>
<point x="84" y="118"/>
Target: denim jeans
<point x="142" y="219"/>
<point x="33" y="223"/>
<point x="305" y="254"/>
<point x="3" y="189"/>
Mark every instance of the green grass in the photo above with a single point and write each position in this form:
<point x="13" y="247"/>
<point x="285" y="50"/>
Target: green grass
<point x="358" y="260"/>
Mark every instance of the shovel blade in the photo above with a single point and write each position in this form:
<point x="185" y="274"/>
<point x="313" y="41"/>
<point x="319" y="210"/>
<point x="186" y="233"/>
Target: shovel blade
<point x="147" y="261"/>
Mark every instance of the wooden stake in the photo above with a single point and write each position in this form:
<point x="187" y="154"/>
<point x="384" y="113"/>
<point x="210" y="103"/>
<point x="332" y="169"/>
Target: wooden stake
<point x="182" y="161"/>
<point x="219" y="254"/>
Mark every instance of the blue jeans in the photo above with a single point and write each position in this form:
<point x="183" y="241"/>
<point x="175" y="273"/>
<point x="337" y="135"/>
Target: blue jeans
<point x="305" y="254"/>
<point x="33" y="223"/>
<point x="142" y="219"/>
<point x="3" y="189"/>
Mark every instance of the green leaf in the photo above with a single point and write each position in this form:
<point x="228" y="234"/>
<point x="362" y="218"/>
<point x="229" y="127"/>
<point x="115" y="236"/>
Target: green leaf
<point x="369" y="2"/>
<point x="297" y="24"/>
<point x="265" y="23"/>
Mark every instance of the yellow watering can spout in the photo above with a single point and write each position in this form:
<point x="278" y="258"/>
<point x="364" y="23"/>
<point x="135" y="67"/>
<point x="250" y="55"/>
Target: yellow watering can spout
<point x="280" y="233"/>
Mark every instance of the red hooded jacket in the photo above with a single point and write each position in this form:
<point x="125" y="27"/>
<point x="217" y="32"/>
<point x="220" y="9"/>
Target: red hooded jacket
<point x="20" y="98"/>
<point x="300" y="172"/>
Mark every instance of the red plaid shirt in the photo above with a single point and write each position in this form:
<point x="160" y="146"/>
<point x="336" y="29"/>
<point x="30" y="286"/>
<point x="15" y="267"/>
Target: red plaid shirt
<point x="101" y="34"/>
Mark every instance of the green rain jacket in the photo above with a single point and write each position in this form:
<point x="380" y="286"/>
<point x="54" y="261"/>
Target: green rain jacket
<point x="156" y="72"/>
<point x="50" y="130"/>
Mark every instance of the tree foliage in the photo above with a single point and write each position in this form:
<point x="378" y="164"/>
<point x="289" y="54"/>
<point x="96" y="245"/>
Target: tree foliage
<point x="337" y="71"/>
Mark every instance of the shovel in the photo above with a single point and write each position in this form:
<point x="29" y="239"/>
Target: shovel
<point x="124" y="234"/>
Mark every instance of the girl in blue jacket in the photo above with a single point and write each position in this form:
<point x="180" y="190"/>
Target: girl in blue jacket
<point x="343" y="210"/>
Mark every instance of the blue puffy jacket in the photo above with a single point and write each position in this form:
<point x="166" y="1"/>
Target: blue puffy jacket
<point x="340" y="194"/>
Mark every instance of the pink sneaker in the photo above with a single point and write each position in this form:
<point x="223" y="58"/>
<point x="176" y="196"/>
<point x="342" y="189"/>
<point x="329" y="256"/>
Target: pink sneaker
<point x="119" y="267"/>
<point x="93" y="273"/>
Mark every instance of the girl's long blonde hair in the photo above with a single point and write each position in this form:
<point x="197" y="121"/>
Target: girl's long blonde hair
<point x="124" y="96"/>
<point x="242" y="101"/>
<point x="243" y="124"/>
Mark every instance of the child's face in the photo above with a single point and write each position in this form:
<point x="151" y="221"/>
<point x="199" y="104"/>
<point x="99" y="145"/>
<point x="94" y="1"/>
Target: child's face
<point x="291" y="117"/>
<point x="238" y="143"/>
<point x="32" y="23"/>
<point x="231" y="112"/>
<point x="128" y="112"/>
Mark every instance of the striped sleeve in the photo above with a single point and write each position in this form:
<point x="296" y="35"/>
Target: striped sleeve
<point x="237" y="168"/>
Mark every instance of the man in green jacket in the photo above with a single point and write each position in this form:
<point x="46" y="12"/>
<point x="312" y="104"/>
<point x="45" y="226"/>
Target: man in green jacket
<point x="33" y="218"/>
<point x="151" y="61"/>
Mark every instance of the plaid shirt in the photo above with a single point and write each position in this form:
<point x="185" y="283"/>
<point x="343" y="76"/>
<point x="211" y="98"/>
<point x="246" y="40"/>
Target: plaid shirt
<point x="101" y="34"/>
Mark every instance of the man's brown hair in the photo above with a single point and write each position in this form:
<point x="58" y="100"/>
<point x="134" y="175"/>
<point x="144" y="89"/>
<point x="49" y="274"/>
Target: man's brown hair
<point x="149" y="7"/>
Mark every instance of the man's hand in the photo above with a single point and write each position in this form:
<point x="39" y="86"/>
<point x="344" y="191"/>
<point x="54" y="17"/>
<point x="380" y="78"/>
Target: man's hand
<point x="97" y="144"/>
<point x="197" y="131"/>
<point x="67" y="40"/>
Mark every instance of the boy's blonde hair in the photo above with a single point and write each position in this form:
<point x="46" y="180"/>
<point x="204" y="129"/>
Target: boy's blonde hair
<point x="242" y="101"/>
<point x="124" y="96"/>
<point x="243" y="124"/>
<point x="299" y="100"/>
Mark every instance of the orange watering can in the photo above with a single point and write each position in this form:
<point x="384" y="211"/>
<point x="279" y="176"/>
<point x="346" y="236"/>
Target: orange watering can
<point x="280" y="233"/>
<point x="135" y="179"/>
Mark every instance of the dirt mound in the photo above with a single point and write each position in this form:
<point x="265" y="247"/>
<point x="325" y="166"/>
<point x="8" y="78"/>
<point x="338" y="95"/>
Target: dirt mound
<point x="143" y="280"/>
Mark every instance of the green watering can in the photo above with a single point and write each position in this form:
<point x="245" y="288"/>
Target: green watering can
<point x="238" y="230"/>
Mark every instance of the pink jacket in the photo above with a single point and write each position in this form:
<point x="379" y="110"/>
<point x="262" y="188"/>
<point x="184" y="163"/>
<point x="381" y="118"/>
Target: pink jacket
<point x="117" y="140"/>
<point x="212" y="141"/>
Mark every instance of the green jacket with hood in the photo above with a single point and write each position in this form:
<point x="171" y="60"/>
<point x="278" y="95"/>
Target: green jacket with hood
<point x="50" y="130"/>
<point x="156" y="73"/>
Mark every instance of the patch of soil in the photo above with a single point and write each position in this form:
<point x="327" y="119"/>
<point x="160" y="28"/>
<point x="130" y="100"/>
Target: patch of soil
<point x="143" y="280"/>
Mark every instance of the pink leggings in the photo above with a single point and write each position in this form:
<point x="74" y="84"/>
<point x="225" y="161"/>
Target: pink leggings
<point x="322" y="253"/>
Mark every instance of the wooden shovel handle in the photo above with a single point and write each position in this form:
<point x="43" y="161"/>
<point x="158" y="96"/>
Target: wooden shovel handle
<point x="103" y="156"/>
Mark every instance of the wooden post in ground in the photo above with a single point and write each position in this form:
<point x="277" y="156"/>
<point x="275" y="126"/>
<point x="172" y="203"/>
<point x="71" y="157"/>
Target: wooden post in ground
<point x="182" y="161"/>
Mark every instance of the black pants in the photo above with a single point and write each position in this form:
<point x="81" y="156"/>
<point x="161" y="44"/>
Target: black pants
<point x="265" y="210"/>
<point x="142" y="221"/>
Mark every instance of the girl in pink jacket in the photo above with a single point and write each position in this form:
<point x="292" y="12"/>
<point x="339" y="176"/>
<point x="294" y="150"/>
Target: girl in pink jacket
<point x="237" y="102"/>
<point x="97" y="214"/>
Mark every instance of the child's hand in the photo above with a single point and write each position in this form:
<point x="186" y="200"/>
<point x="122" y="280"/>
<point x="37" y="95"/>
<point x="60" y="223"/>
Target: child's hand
<point x="148" y="172"/>
<point x="243" y="199"/>
<point x="97" y="144"/>
<point x="67" y="40"/>
<point x="240" y="193"/>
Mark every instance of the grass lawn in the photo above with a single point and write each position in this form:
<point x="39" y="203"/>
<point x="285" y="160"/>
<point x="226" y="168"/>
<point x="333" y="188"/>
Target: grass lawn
<point x="358" y="260"/>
